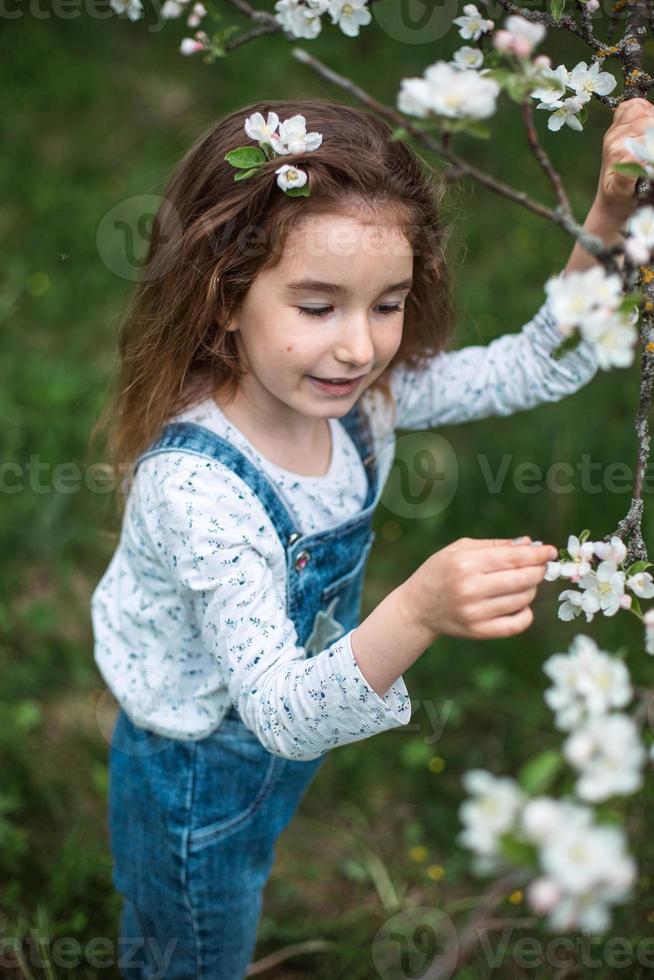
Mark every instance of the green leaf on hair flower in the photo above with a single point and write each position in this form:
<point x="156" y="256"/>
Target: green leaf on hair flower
<point x="631" y="168"/>
<point x="298" y="191"/>
<point x="246" y="157"/>
<point x="557" y="8"/>
<point x="244" y="174"/>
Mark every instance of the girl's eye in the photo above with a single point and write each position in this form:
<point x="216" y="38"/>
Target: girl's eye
<point x="323" y="310"/>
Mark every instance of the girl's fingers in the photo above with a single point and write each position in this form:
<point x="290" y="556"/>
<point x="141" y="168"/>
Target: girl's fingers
<point x="515" y="556"/>
<point x="470" y="543"/>
<point x="509" y="625"/>
<point x="511" y="582"/>
<point x="506" y="604"/>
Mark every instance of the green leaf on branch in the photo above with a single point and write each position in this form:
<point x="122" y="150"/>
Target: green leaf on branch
<point x="517" y="88"/>
<point x="245" y="157"/>
<point x="631" y="168"/>
<point x="518" y="851"/>
<point x="537" y="775"/>
<point x="584" y="536"/>
<point x="635" y="607"/>
<point x="570" y="343"/>
<point x="557" y="7"/>
<point x="629" y="301"/>
<point x="638" y="566"/>
<point x="500" y="75"/>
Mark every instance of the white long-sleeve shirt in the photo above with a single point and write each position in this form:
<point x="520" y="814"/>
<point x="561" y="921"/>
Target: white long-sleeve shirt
<point x="190" y="615"/>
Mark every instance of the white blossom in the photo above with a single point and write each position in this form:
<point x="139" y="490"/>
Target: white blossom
<point x="640" y="229"/>
<point x="471" y="24"/>
<point x="648" y="619"/>
<point x="260" y="129"/>
<point x="467" y="57"/>
<point x="350" y="15"/>
<point x="584" y="80"/>
<point x="553" y="82"/>
<point x="613" y="336"/>
<point x="642" y="584"/>
<point x="289" y="176"/>
<point x="614" y="550"/>
<point x="564" y="113"/>
<point x="587" y="682"/>
<point x="493" y="810"/>
<point x="292" y="137"/>
<point x="574" y="603"/>
<point x="299" y="18"/>
<point x="197" y="13"/>
<point x="642" y="149"/>
<point x="527" y="34"/>
<point x="608" y="754"/>
<point x="456" y="93"/>
<point x="192" y="45"/>
<point x="543" y="817"/>
<point x="133" y="8"/>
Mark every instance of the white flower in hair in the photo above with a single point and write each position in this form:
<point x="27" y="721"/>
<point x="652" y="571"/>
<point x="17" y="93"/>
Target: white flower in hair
<point x="289" y="177"/>
<point x="293" y="137"/>
<point x="275" y="139"/>
<point x="260" y="129"/>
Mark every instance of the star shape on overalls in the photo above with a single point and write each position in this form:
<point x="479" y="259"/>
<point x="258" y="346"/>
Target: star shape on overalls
<point x="325" y="630"/>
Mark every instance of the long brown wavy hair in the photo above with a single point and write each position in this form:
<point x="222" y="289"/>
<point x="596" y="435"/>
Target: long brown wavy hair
<point x="212" y="235"/>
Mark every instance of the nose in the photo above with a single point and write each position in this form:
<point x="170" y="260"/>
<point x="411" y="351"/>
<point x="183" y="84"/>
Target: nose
<point x="355" y="343"/>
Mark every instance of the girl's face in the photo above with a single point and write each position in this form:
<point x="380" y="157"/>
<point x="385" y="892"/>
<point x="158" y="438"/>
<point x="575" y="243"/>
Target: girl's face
<point x="332" y="308"/>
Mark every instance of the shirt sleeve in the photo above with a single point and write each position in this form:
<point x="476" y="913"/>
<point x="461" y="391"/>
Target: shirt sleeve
<point x="218" y="544"/>
<point x="511" y="373"/>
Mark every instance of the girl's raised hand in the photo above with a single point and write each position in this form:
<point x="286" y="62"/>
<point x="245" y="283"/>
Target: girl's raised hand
<point x="479" y="589"/>
<point x="615" y="199"/>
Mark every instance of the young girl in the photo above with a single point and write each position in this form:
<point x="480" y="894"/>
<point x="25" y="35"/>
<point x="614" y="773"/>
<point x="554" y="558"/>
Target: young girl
<point x="274" y="344"/>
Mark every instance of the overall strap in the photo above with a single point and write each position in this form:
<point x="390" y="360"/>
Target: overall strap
<point x="197" y="439"/>
<point x="357" y="426"/>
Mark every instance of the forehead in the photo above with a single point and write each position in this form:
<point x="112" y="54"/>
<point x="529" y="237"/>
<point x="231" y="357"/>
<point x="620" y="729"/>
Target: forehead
<point x="343" y="243"/>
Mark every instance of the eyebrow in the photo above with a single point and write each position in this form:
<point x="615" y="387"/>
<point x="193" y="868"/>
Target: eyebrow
<point x="315" y="285"/>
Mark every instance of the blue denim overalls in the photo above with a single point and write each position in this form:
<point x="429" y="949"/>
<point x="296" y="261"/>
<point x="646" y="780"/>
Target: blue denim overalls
<point x="193" y="823"/>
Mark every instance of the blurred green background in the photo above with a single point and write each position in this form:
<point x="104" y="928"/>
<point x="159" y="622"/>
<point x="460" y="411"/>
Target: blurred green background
<point x="94" y="112"/>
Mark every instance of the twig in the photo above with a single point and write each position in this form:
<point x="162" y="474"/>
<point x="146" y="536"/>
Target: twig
<point x="591" y="243"/>
<point x="543" y="158"/>
<point x="286" y="952"/>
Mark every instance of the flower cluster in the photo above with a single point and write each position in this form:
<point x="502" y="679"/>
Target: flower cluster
<point x="303" y="18"/>
<point x="577" y="866"/>
<point x="603" y="588"/>
<point x="640" y="234"/>
<point x="449" y="91"/>
<point x="604" y="746"/>
<point x="590" y="306"/>
<point x="581" y="80"/>
<point x="443" y="94"/>
<point x="275" y="139"/>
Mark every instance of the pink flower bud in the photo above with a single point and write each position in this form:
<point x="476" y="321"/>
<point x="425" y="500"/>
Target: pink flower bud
<point x="592" y="6"/>
<point x="522" y="47"/>
<point x="542" y="61"/>
<point x="625" y="601"/>
<point x="503" y="41"/>
<point x="543" y="894"/>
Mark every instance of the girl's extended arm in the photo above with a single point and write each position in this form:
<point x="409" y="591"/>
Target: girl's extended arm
<point x="511" y="373"/>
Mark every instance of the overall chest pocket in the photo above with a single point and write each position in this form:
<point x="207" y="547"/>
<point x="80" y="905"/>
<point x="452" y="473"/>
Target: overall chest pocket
<point x="340" y="603"/>
<point x="353" y="577"/>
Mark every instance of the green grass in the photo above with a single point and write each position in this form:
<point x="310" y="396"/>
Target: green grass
<point x="95" y="112"/>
